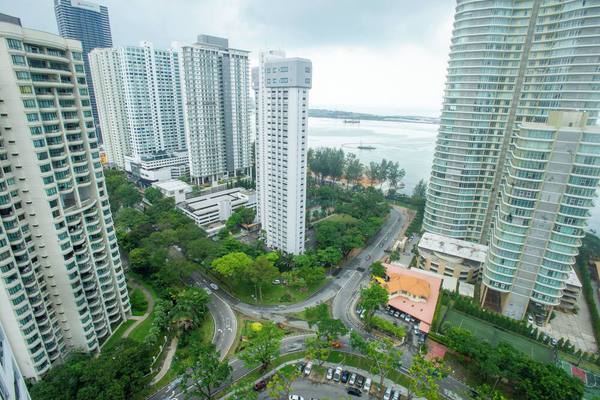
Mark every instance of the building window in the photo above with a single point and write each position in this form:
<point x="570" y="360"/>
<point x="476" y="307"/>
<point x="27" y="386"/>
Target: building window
<point x="25" y="89"/>
<point x="18" y="60"/>
<point x="23" y="75"/>
<point x="14" y="44"/>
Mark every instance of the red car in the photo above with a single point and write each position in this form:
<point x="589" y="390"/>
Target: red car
<point x="260" y="385"/>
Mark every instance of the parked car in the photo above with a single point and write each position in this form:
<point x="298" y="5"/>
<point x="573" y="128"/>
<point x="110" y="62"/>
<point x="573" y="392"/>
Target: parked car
<point x="352" y="380"/>
<point x="553" y="342"/>
<point x="367" y="385"/>
<point x="260" y="385"/>
<point x="388" y="393"/>
<point x="360" y="380"/>
<point x="354" y="391"/>
<point x="407" y="318"/>
<point x="362" y="314"/>
<point x="276" y="281"/>
<point x="402" y="315"/>
<point x="295" y="397"/>
<point x="391" y="311"/>
<point x="301" y="366"/>
<point x="337" y="375"/>
<point x="329" y="373"/>
<point x="359" y="310"/>
<point x="396" y="314"/>
<point x="396" y="395"/>
<point x="530" y="319"/>
<point x="214" y="286"/>
<point x="345" y="376"/>
<point x="308" y="368"/>
<point x="336" y="344"/>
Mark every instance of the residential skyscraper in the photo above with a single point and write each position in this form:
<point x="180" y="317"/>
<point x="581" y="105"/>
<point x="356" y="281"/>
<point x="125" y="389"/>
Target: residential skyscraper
<point x="12" y="384"/>
<point x="62" y="285"/>
<point x="87" y="22"/>
<point x="552" y="176"/>
<point x="510" y="63"/>
<point x="281" y="90"/>
<point x="216" y="101"/>
<point x="140" y="109"/>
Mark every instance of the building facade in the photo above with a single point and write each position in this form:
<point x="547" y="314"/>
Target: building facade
<point x="87" y="22"/>
<point x="451" y="257"/>
<point x="553" y="171"/>
<point x="216" y="91"/>
<point x="510" y="63"/>
<point x="12" y="384"/>
<point x="140" y="108"/>
<point x="62" y="285"/>
<point x="281" y="87"/>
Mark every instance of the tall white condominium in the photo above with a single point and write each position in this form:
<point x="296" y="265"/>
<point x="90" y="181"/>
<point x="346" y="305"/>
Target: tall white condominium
<point x="552" y="175"/>
<point x="12" y="384"/>
<point x="62" y="285"/>
<point x="216" y="95"/>
<point x="511" y="62"/>
<point x="140" y="106"/>
<point x="281" y="86"/>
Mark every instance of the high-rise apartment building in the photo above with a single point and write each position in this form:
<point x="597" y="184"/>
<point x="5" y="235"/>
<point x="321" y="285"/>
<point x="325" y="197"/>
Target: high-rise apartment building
<point x="216" y="99"/>
<point x="62" y="285"/>
<point x="552" y="176"/>
<point x="87" y="22"/>
<point x="140" y="109"/>
<point x="281" y="90"/>
<point x="510" y="63"/>
<point x="12" y="384"/>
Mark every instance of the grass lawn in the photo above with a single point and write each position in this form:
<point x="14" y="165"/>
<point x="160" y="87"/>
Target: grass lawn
<point x="140" y="332"/>
<point x="139" y="304"/>
<point x="272" y="294"/>
<point x="345" y="218"/>
<point x="116" y="336"/>
<point x="492" y="334"/>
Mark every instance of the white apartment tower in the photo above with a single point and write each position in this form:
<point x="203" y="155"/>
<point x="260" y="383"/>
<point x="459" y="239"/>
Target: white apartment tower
<point x="552" y="176"/>
<point x="216" y="101"/>
<point x="510" y="63"/>
<point x="62" y="285"/>
<point x="281" y="90"/>
<point x="140" y="106"/>
<point x="12" y="384"/>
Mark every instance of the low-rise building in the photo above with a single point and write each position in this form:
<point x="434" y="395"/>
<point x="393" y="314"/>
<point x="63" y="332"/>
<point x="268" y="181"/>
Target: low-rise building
<point x="12" y="384"/>
<point x="157" y="167"/>
<point x="451" y="257"/>
<point x="571" y="292"/>
<point x="412" y="292"/>
<point x="173" y="188"/>
<point x="209" y="211"/>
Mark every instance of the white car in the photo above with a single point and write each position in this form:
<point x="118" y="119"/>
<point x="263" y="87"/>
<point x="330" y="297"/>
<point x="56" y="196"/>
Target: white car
<point x="295" y="397"/>
<point x="388" y="393"/>
<point x="337" y="374"/>
<point x="396" y="314"/>
<point x="530" y="319"/>
<point x="407" y="318"/>
<point x="396" y="395"/>
<point x="367" y="385"/>
<point x="214" y="286"/>
<point x="329" y="373"/>
<point x="308" y="368"/>
<point x="352" y="379"/>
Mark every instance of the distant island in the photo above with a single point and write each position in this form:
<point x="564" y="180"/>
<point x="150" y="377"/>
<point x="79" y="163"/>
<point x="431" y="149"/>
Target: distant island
<point x="352" y="116"/>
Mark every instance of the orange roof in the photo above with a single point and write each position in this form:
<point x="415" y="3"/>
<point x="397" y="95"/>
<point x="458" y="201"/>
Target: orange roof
<point x="421" y="310"/>
<point x="410" y="284"/>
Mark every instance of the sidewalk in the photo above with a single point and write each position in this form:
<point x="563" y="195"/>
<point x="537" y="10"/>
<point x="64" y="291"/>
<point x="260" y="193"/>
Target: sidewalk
<point x="141" y="318"/>
<point x="167" y="362"/>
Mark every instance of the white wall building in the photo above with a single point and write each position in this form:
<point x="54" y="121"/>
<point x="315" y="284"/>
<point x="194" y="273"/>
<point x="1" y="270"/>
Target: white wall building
<point x="12" y="384"/>
<point x="140" y="105"/>
<point x="62" y="285"/>
<point x="281" y="86"/>
<point x="173" y="188"/>
<point x="210" y="210"/>
<point x="216" y="92"/>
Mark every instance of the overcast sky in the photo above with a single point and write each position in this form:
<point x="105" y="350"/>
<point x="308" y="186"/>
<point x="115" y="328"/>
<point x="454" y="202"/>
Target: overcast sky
<point x="368" y="55"/>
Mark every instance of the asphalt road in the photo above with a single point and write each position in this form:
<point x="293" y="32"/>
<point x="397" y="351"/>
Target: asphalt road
<point x="308" y="389"/>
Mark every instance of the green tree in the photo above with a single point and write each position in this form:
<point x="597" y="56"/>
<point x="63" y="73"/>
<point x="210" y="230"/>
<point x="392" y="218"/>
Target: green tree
<point x="233" y="265"/>
<point x="377" y="269"/>
<point x="200" y="250"/>
<point x="354" y="168"/>
<point x="426" y="375"/>
<point x="280" y="385"/>
<point x="420" y="190"/>
<point x="371" y="298"/>
<point x="206" y="373"/>
<point x="263" y="346"/>
<point x="318" y="349"/>
<point x="140" y="260"/>
<point x="381" y="353"/>
<point x="262" y="272"/>
<point x="244" y="389"/>
<point x="373" y="172"/>
<point x="395" y="174"/>
<point x="190" y="308"/>
<point x="329" y="256"/>
<point x="153" y="195"/>
<point x="311" y="275"/>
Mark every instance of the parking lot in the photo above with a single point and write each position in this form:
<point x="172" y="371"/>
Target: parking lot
<point x="413" y="335"/>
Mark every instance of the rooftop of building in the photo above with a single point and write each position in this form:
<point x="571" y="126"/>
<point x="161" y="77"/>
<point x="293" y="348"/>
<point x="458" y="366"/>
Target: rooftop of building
<point x="420" y="285"/>
<point x="453" y="247"/>
<point x="201" y="202"/>
<point x="172" y="185"/>
<point x="448" y="282"/>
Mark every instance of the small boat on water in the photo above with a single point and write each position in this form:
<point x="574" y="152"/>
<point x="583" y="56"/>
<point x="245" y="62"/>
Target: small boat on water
<point x="352" y="121"/>
<point x="366" y="147"/>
